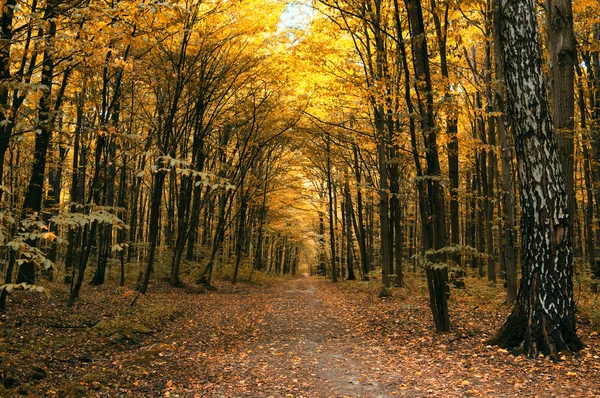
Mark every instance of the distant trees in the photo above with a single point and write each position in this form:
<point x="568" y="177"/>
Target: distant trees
<point x="159" y="118"/>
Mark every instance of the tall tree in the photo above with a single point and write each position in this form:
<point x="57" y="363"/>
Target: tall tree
<point x="432" y="206"/>
<point x="508" y="244"/>
<point x="543" y="320"/>
<point x="32" y="203"/>
<point x="334" y="276"/>
<point x="562" y="57"/>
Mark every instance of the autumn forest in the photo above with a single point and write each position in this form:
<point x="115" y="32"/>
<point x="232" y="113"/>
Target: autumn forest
<point x="325" y="198"/>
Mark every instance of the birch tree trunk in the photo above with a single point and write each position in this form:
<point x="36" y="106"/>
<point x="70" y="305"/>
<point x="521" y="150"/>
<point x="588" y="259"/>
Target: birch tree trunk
<point x="543" y="320"/>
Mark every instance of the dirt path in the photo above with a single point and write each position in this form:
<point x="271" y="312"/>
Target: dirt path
<point x="302" y="348"/>
<point x="285" y="340"/>
<point x="309" y="338"/>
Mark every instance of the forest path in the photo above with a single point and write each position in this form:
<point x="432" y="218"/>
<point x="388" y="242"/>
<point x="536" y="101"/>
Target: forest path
<point x="302" y="347"/>
<point x="308" y="349"/>
<point x="306" y="337"/>
<point x="284" y="340"/>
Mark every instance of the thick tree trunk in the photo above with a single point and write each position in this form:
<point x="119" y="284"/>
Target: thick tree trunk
<point x="12" y="259"/>
<point x="543" y="320"/>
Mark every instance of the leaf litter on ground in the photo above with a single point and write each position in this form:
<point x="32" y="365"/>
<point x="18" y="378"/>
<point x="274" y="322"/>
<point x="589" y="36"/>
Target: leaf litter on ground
<point x="302" y="337"/>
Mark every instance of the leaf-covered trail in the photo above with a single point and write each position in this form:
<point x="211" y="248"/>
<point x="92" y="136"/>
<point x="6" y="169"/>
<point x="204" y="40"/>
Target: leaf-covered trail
<point x="303" y="337"/>
<point x="303" y="348"/>
<point x="309" y="338"/>
<point x="285" y="340"/>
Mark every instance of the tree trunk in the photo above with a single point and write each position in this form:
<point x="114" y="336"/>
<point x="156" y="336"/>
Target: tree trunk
<point x="593" y="63"/>
<point x="6" y="33"/>
<point x="321" y="269"/>
<point x="590" y="254"/>
<point x="155" y="206"/>
<point x="89" y="232"/>
<point x="217" y="241"/>
<point x="508" y="246"/>
<point x="121" y="234"/>
<point x="262" y="214"/>
<point x="562" y="58"/>
<point x="433" y="218"/>
<point x="543" y="320"/>
<point x="105" y="238"/>
<point x="239" y="244"/>
<point x="384" y="226"/>
<point x="33" y="198"/>
<point x="349" y="241"/>
<point x="491" y="165"/>
<point x="359" y="225"/>
<point x="451" y="129"/>
<point x="481" y="205"/>
<point x="334" y="277"/>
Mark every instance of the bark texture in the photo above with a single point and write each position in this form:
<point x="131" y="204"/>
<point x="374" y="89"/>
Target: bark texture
<point x="508" y="243"/>
<point x="431" y="197"/>
<point x="543" y="320"/>
<point x="562" y="54"/>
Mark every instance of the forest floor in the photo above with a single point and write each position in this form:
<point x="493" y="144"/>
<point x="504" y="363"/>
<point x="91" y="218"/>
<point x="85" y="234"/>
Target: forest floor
<point x="302" y="337"/>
